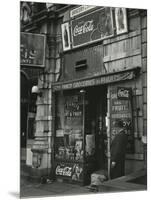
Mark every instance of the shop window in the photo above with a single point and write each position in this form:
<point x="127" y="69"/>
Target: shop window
<point x="71" y="144"/>
<point x="69" y="136"/>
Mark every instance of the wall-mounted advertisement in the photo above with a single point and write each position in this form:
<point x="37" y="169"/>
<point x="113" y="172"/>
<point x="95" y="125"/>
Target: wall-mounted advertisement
<point x="73" y="171"/>
<point x="121" y="111"/>
<point x="121" y="20"/>
<point x="32" y="50"/>
<point x="66" y="42"/>
<point x="92" y="27"/>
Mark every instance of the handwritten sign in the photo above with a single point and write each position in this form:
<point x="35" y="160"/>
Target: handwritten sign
<point x="77" y="172"/>
<point x="92" y="27"/>
<point x="121" y="110"/>
<point x="32" y="50"/>
<point x="73" y="112"/>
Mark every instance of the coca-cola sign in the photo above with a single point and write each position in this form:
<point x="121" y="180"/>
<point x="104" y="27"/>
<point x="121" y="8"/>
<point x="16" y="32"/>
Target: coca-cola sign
<point x="86" y="27"/>
<point x="70" y="170"/>
<point x="65" y="36"/>
<point x="123" y="93"/>
<point x="92" y="27"/>
<point x="63" y="170"/>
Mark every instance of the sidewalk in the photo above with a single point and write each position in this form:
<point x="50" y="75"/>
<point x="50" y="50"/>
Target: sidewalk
<point x="55" y="188"/>
<point x="136" y="181"/>
<point x="29" y="188"/>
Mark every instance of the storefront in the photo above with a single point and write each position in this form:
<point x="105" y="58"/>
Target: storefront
<point x="85" y="121"/>
<point x="77" y="150"/>
<point x="100" y="84"/>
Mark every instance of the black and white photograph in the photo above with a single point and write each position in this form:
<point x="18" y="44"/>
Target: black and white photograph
<point x="83" y="99"/>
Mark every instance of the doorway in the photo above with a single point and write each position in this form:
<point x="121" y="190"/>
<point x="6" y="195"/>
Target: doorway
<point x="95" y="122"/>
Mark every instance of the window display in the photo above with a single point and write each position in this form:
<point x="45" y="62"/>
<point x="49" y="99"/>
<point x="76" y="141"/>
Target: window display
<point x="80" y="134"/>
<point x="69" y="136"/>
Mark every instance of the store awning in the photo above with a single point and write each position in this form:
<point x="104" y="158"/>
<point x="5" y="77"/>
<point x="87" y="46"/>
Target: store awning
<point x="102" y="79"/>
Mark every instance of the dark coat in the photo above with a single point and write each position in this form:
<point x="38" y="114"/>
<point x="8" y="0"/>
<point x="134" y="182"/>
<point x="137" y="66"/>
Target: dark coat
<point x="118" y="151"/>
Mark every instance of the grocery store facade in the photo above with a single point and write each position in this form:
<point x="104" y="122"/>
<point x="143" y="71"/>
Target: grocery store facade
<point x="94" y="75"/>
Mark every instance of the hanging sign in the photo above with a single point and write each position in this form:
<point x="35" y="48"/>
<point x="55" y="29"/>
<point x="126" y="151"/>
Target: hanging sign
<point x="32" y="50"/>
<point x="92" y="27"/>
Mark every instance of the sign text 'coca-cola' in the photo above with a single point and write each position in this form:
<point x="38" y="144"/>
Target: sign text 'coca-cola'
<point x="92" y="27"/>
<point x="63" y="170"/>
<point x="123" y="93"/>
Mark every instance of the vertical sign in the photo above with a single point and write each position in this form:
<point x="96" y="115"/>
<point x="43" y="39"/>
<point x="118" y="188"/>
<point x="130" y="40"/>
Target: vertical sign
<point x="65" y="36"/>
<point x="121" y="20"/>
<point x="121" y="109"/>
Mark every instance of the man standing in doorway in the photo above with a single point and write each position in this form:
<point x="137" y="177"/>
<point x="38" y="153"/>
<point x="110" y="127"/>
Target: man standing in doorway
<point x="118" y="151"/>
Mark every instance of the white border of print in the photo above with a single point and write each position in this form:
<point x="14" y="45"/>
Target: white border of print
<point x="63" y="41"/>
<point x="9" y="148"/>
<point x="124" y="28"/>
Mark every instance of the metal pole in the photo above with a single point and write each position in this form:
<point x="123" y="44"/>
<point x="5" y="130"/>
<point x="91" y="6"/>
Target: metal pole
<point x="108" y="132"/>
<point x="83" y="127"/>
